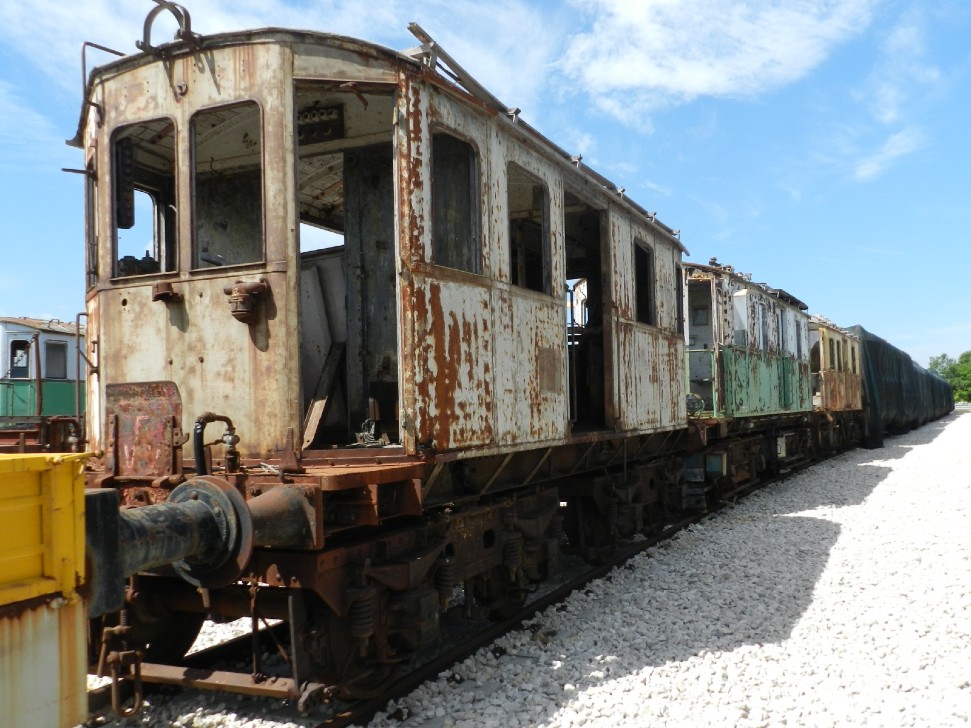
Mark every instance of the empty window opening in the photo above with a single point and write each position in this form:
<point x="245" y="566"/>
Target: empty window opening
<point x="455" y="206"/>
<point x="644" y="283"/>
<point x="763" y="328"/>
<point x="227" y="186"/>
<point x="144" y="200"/>
<point x="529" y="239"/>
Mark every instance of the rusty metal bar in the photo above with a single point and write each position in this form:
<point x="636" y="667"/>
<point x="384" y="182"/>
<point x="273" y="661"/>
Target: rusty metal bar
<point x="542" y="460"/>
<point x="502" y="466"/>
<point x="426" y="489"/>
<point x="583" y="457"/>
<point x="230" y="682"/>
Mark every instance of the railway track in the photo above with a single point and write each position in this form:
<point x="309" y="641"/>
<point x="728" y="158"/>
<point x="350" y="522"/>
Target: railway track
<point x="464" y="639"/>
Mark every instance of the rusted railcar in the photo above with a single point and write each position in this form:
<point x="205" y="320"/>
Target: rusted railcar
<point x="411" y="411"/>
<point x="418" y="349"/>
<point x="748" y="372"/>
<point x="837" y="385"/>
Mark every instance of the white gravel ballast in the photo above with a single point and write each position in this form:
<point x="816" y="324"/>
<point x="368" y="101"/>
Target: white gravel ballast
<point x="838" y="597"/>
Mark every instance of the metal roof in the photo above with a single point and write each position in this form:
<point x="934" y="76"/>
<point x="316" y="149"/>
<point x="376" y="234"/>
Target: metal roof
<point x="50" y="326"/>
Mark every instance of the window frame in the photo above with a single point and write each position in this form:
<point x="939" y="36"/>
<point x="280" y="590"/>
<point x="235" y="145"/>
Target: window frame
<point x="48" y="345"/>
<point x="164" y="241"/>
<point x="10" y="359"/>
<point x="195" y="263"/>
<point x="523" y="247"/>
<point x="475" y="251"/>
<point x="645" y="283"/>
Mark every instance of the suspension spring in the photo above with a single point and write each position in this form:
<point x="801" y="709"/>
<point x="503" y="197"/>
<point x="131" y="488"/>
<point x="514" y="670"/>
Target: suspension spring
<point x="363" y="612"/>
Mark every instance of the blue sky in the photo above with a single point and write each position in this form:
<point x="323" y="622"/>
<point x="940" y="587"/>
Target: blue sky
<point x="824" y="147"/>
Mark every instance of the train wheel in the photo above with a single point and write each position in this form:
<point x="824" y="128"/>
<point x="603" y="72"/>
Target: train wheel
<point x="167" y="636"/>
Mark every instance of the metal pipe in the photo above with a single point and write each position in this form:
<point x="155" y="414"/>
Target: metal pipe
<point x="204" y="530"/>
<point x="35" y="345"/>
<point x="166" y="532"/>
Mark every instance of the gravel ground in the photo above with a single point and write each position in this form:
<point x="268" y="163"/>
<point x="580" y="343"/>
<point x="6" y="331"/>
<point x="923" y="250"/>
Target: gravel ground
<point x="841" y="596"/>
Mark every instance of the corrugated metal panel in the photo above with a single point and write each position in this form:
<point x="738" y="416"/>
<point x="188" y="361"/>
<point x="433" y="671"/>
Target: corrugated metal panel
<point x="42" y="618"/>
<point x="43" y="665"/>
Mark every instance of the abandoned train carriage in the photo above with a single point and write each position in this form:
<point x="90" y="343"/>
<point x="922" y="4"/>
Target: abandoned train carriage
<point x="748" y="374"/>
<point x="41" y="385"/>
<point x="431" y="359"/>
<point x="837" y="385"/>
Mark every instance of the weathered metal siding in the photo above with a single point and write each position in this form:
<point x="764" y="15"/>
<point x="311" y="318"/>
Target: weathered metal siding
<point x="650" y="390"/>
<point x="531" y="380"/>
<point x="447" y="319"/>
<point x="840" y="391"/>
<point x="761" y="383"/>
<point x="649" y="360"/>
<point x="760" y="349"/>
<point x="197" y="343"/>
<point x="840" y="388"/>
<point x="43" y="625"/>
<point x="530" y="373"/>
<point x="452" y="364"/>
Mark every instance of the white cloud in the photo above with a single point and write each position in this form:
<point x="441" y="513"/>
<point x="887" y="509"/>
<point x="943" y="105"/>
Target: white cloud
<point x="904" y="74"/>
<point x="487" y="39"/>
<point x="641" y="55"/>
<point x="25" y="133"/>
<point x="897" y="145"/>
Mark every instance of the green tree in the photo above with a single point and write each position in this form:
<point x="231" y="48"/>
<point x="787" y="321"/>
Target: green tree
<point x="957" y="372"/>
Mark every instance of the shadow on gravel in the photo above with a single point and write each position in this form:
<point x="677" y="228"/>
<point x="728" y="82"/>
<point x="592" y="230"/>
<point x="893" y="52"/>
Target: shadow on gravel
<point x="825" y="483"/>
<point x="742" y="578"/>
<point x="716" y="588"/>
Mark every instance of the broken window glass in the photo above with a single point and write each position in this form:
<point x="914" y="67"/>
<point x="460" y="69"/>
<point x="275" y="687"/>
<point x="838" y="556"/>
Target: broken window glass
<point x="19" y="359"/>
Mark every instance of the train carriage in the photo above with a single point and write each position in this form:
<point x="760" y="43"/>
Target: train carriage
<point x="365" y="347"/>
<point x="837" y="385"/>
<point x="41" y="385"/>
<point x="748" y="374"/>
<point x="352" y="265"/>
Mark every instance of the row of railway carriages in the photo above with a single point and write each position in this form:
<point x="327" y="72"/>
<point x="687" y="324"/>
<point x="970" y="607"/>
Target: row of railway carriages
<point x="502" y="358"/>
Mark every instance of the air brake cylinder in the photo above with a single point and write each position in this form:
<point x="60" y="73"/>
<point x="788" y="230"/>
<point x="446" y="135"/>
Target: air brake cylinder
<point x="204" y="530"/>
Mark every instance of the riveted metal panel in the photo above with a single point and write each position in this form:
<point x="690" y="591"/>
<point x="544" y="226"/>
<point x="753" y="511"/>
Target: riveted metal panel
<point x="43" y="664"/>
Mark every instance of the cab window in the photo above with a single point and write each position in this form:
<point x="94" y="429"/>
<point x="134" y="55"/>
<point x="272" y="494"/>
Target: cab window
<point x="455" y="209"/>
<point x="227" y="186"/>
<point x="143" y="165"/>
